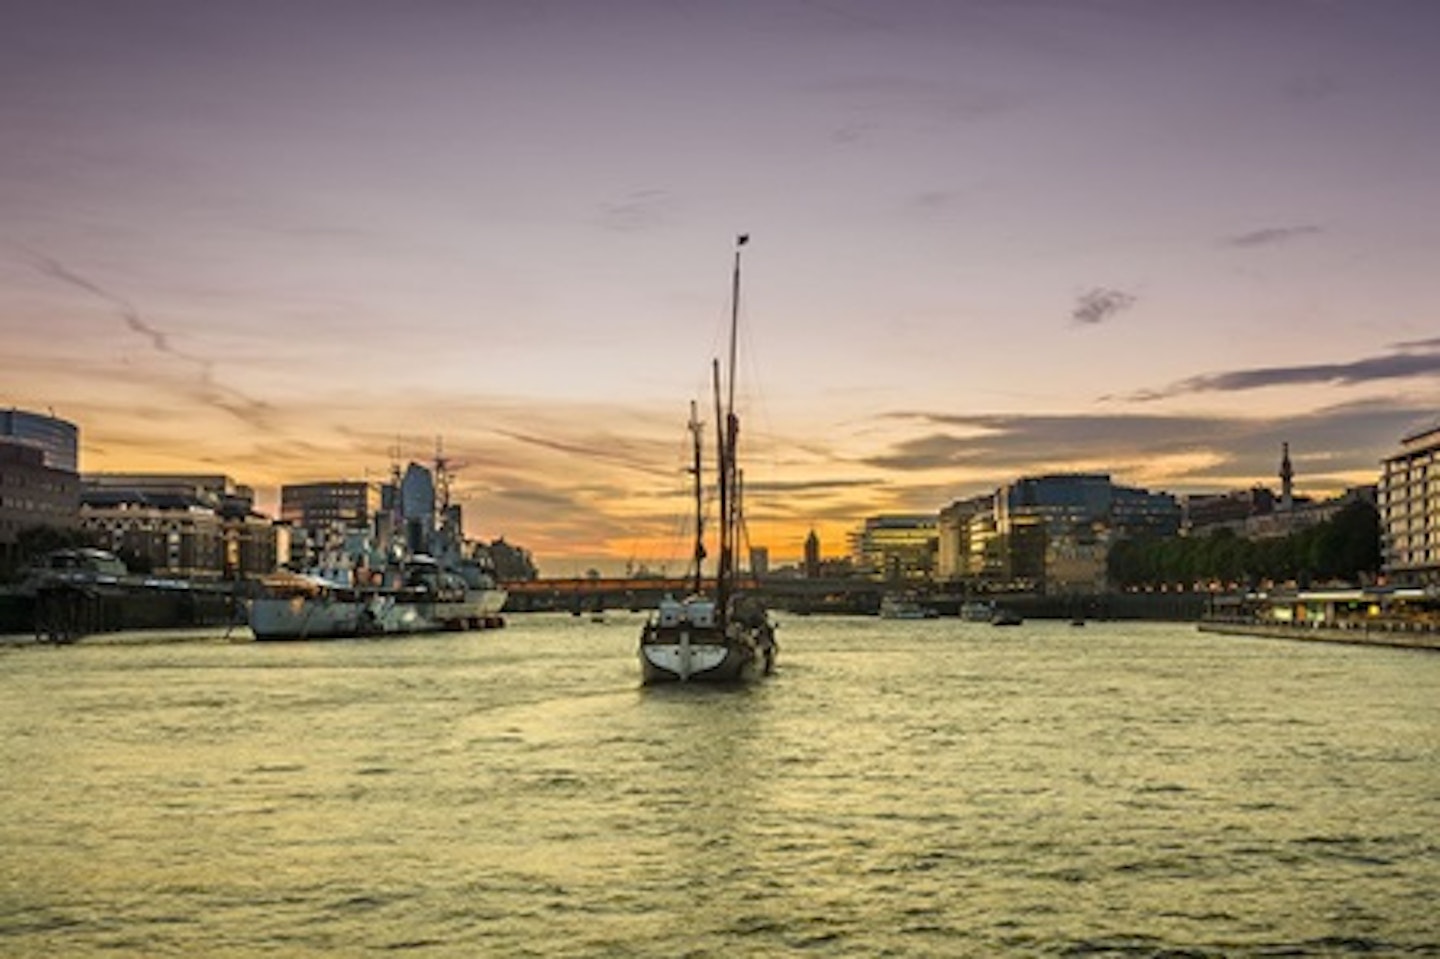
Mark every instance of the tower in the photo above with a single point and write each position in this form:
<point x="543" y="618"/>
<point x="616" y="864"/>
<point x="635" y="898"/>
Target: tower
<point x="812" y="555"/>
<point x="1287" y="477"/>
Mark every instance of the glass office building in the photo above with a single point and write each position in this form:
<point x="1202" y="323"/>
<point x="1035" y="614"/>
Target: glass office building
<point x="57" y="439"/>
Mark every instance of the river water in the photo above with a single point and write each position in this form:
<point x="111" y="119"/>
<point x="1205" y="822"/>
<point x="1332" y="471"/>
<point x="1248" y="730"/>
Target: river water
<point x="931" y="788"/>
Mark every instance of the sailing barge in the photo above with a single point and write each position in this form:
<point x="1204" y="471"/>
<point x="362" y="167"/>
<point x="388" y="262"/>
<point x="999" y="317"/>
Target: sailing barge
<point x="726" y="637"/>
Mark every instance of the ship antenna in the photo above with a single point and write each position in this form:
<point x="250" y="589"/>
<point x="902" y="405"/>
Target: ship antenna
<point x="442" y="473"/>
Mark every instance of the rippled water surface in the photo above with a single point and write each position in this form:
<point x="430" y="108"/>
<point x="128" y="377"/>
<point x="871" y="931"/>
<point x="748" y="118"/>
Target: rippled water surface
<point x="933" y="788"/>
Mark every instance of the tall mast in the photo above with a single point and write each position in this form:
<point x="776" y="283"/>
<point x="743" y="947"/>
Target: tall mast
<point x="699" y="503"/>
<point x="722" y="472"/>
<point x="737" y="495"/>
<point x="728" y="426"/>
<point x="740" y="241"/>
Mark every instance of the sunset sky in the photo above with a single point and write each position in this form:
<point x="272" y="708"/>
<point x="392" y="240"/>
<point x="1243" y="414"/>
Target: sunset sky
<point x="1155" y="238"/>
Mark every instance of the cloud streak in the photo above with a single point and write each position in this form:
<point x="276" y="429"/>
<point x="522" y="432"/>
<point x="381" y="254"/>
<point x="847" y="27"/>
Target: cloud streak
<point x="607" y="452"/>
<point x="637" y="212"/>
<point x="1417" y="359"/>
<point x="1271" y="236"/>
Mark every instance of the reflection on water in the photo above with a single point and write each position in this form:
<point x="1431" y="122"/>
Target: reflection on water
<point x="903" y="788"/>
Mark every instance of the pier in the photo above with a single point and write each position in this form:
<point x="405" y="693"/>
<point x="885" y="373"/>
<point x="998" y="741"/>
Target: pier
<point x="67" y="609"/>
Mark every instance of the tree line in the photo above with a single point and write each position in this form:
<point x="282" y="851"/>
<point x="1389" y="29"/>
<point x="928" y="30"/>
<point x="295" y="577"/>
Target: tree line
<point x="1346" y="547"/>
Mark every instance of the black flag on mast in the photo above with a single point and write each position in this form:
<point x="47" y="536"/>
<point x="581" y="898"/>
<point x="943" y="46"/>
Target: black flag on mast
<point x="742" y="239"/>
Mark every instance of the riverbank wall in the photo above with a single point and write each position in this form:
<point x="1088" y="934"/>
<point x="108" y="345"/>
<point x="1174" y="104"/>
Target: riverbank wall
<point x="64" y="615"/>
<point x="1401" y="635"/>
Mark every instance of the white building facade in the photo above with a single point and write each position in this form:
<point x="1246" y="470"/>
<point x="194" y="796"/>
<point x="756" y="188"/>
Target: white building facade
<point x="1409" y="501"/>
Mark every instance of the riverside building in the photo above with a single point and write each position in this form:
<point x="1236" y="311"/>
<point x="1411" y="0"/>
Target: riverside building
<point x="1409" y="503"/>
<point x="812" y="555"/>
<point x="1060" y="527"/>
<point x="966" y="539"/>
<point x="38" y="482"/>
<point x="58" y="440"/>
<point x="339" y="504"/>
<point x="196" y="526"/>
<point x="1259" y="513"/>
<point x="1207" y="512"/>
<point x="321" y="516"/>
<point x="896" y="547"/>
<point x="32" y="494"/>
<point x="1051" y="533"/>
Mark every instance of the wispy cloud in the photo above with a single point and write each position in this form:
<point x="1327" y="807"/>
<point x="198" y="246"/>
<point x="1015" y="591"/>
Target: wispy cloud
<point x="1099" y="304"/>
<point x="928" y="206"/>
<point x="830" y="485"/>
<point x="637" y="211"/>
<point x="210" y="392"/>
<point x="1428" y="344"/>
<point x="877" y="103"/>
<point x="1003" y="443"/>
<point x="1270" y="236"/>
<point x="597" y="449"/>
<point x="1419" y="358"/>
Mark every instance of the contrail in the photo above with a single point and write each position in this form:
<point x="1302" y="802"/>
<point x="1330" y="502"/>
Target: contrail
<point x="242" y="407"/>
<point x="56" y="270"/>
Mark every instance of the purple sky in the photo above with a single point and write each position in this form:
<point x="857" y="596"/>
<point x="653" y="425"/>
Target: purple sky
<point x="1150" y="237"/>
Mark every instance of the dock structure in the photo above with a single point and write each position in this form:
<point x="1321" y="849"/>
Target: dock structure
<point x="60" y="606"/>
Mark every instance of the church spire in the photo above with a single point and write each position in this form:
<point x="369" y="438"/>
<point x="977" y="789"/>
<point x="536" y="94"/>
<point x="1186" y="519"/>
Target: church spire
<point x="1287" y="477"/>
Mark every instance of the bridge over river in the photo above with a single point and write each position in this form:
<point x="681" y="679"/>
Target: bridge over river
<point x="585" y="594"/>
<point x="846" y="596"/>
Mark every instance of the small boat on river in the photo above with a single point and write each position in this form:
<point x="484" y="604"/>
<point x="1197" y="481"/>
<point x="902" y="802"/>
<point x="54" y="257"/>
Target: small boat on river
<point x="977" y="611"/>
<point x="1005" y="617"/>
<point x="905" y="606"/>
